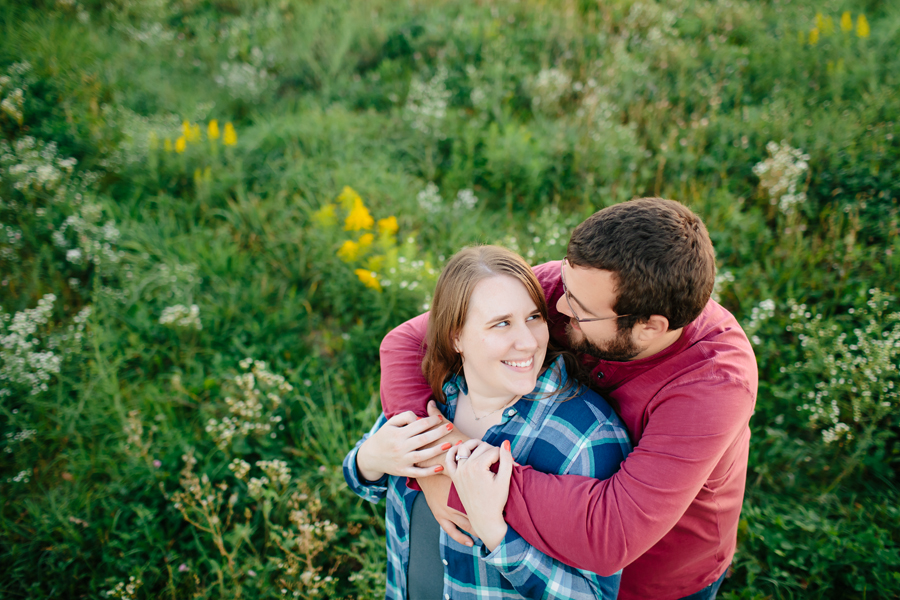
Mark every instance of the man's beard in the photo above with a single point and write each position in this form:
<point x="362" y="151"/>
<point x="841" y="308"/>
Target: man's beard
<point x="620" y="348"/>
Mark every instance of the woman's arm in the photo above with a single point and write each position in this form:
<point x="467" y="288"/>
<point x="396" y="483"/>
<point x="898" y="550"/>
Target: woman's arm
<point x="373" y="491"/>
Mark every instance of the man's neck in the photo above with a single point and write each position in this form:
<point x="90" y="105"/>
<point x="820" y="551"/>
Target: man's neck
<point x="661" y="343"/>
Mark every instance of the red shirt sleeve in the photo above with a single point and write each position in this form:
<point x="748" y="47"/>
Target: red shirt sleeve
<point x="403" y="386"/>
<point x="602" y="526"/>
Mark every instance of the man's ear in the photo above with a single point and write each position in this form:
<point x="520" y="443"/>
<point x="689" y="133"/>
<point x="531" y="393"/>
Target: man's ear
<point x="651" y="329"/>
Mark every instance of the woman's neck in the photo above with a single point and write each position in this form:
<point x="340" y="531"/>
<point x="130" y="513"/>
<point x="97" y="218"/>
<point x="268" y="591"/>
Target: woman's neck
<point x="483" y="404"/>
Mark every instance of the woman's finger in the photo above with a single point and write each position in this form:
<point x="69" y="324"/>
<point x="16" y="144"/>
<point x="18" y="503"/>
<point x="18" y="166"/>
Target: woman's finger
<point x="428" y="437"/>
<point x="401" y="419"/>
<point x="420" y="472"/>
<point x="450" y="461"/>
<point x="420" y="456"/>
<point x="484" y="457"/>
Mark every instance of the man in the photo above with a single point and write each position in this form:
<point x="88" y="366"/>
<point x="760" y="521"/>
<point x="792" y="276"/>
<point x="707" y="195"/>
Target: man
<point x="632" y="297"/>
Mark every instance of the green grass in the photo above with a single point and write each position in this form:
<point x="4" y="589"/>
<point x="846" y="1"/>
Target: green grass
<point x="546" y="111"/>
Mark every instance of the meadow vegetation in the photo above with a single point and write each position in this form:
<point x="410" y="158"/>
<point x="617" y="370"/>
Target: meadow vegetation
<point x="212" y="211"/>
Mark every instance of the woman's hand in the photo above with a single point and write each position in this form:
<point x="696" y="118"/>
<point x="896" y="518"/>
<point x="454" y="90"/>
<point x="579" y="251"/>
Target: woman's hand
<point x="483" y="493"/>
<point x="395" y="448"/>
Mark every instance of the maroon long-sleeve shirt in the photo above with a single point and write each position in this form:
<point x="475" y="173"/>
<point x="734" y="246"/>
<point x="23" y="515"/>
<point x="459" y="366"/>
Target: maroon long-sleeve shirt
<point x="670" y="515"/>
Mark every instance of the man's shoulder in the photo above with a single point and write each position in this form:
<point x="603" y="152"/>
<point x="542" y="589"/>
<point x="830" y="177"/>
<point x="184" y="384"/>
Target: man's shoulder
<point x="714" y="349"/>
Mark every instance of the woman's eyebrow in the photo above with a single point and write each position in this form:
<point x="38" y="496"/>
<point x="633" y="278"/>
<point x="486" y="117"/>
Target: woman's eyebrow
<point x="499" y="318"/>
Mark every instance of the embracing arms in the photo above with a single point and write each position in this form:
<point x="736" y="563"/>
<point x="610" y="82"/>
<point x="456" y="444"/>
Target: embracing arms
<point x="600" y="525"/>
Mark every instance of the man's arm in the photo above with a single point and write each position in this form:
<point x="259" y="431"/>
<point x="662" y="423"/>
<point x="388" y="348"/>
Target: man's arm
<point x="602" y="526"/>
<point x="403" y="386"/>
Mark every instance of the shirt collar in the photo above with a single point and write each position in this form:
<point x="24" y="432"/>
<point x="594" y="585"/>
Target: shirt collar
<point x="531" y="406"/>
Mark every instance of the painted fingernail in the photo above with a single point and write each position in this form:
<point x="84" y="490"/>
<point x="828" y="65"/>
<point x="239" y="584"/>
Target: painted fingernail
<point x="459" y="442"/>
<point x="447" y="446"/>
<point x="506" y="445"/>
<point x="418" y="418"/>
<point x="449" y="426"/>
<point x="438" y="468"/>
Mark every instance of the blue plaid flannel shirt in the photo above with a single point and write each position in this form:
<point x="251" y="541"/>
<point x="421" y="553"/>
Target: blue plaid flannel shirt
<point x="580" y="436"/>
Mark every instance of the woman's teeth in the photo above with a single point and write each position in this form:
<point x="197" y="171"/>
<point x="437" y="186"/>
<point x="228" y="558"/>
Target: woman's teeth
<point x="521" y="364"/>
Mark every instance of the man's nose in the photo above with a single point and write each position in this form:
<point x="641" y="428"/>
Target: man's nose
<point x="563" y="306"/>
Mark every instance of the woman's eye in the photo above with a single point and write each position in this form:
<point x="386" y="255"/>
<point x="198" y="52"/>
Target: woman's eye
<point x="533" y="317"/>
<point x="502" y="324"/>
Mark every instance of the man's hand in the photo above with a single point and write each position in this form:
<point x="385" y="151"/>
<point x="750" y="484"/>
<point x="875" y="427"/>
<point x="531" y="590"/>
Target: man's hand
<point x="436" y="490"/>
<point x="401" y="443"/>
<point x="482" y="493"/>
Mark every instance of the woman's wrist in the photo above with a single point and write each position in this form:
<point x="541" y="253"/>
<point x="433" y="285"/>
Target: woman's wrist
<point x="494" y="534"/>
<point x="367" y="472"/>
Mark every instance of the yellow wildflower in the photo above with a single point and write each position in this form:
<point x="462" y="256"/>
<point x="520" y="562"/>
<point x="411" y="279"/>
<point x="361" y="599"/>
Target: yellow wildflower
<point x="820" y="21"/>
<point x="368" y="278"/>
<point x="388" y="226"/>
<point x="325" y="216"/>
<point x="212" y="130"/>
<point x="348" y="198"/>
<point x="193" y="134"/>
<point x="827" y="26"/>
<point x="862" y="26"/>
<point x="846" y="21"/>
<point x="168" y="145"/>
<point x="359" y="217"/>
<point x="230" y="136"/>
<point x="185" y="129"/>
<point x="813" y="36"/>
<point x="365" y="240"/>
<point x="180" y="145"/>
<point x="348" y="251"/>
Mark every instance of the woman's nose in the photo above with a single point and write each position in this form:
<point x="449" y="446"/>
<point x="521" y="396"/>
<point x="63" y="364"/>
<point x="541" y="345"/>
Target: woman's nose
<point x="526" y="340"/>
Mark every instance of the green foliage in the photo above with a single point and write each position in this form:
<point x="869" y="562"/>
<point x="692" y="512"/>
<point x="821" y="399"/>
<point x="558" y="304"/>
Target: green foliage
<point x="187" y="184"/>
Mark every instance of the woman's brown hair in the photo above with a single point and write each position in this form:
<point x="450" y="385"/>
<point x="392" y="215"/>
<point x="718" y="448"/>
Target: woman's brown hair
<point x="450" y="305"/>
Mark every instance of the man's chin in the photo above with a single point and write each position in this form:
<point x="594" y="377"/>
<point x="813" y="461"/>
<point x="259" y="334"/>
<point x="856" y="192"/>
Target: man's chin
<point x="619" y="349"/>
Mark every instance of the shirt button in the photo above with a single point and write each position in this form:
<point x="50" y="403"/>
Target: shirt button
<point x="511" y="412"/>
<point x="445" y="562"/>
<point x="599" y="374"/>
<point x="451" y="389"/>
<point x="447" y="596"/>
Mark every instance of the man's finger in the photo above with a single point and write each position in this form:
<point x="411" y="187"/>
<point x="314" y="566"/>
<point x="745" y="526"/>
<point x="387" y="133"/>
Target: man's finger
<point x="454" y="532"/>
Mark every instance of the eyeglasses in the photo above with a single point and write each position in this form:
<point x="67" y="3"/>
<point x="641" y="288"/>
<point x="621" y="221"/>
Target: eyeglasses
<point x="562" y="276"/>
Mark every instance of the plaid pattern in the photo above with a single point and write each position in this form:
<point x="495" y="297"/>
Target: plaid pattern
<point x="581" y="436"/>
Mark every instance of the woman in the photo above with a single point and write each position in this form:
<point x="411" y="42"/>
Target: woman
<point x="488" y="364"/>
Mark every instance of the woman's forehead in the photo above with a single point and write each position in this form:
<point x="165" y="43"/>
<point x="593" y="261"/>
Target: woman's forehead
<point x="499" y="295"/>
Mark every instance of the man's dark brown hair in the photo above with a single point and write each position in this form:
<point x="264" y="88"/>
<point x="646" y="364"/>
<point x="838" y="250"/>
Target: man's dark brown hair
<point x="661" y="256"/>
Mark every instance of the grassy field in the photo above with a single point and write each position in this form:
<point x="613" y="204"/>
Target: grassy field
<point x="212" y="211"/>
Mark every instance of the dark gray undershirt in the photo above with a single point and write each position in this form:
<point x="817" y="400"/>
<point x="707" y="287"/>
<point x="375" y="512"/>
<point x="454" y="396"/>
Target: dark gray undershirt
<point x="425" y="577"/>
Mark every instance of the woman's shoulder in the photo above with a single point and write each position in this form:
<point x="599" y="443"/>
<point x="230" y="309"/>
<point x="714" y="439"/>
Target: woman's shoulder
<point x="580" y="405"/>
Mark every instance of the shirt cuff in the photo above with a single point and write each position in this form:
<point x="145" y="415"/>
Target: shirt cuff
<point x="373" y="491"/>
<point x="510" y="554"/>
